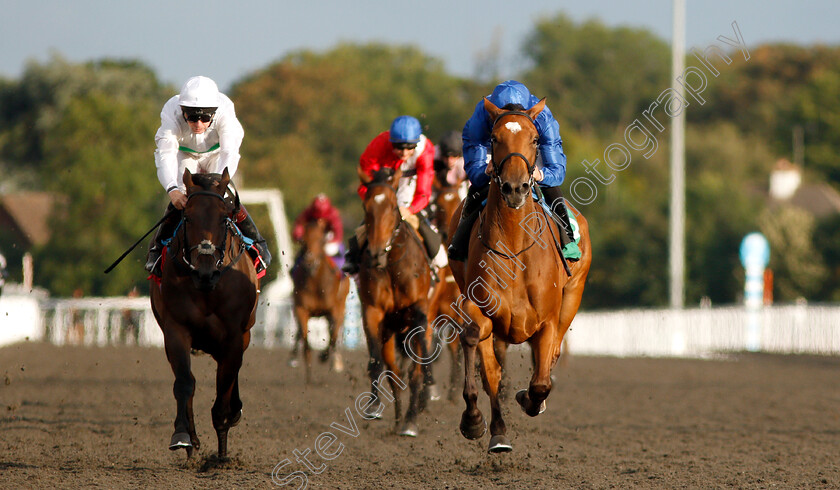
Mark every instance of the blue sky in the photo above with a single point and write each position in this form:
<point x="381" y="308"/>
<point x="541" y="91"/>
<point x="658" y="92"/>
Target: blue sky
<point x="229" y="40"/>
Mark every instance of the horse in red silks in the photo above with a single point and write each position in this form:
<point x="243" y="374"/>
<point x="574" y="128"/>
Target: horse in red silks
<point x="515" y="288"/>
<point x="393" y="283"/>
<point x="320" y="289"/>
<point x="207" y="300"/>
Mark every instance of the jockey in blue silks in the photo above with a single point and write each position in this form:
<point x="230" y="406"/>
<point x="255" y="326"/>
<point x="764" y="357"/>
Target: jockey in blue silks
<point x="550" y="168"/>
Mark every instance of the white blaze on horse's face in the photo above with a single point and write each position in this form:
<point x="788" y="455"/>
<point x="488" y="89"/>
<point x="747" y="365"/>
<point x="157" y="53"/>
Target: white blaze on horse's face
<point x="379" y="198"/>
<point x="513" y="127"/>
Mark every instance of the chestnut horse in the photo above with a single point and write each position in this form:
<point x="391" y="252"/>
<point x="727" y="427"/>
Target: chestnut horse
<point x="446" y="292"/>
<point x="516" y="289"/>
<point x="394" y="280"/>
<point x="207" y="300"/>
<point x="320" y="289"/>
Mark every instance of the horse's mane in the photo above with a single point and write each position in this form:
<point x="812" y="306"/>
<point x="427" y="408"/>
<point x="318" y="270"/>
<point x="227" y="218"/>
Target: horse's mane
<point x="206" y="181"/>
<point x="381" y="176"/>
<point x="513" y="107"/>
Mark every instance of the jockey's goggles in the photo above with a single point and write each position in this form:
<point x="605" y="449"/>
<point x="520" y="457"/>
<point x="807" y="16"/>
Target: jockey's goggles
<point x="404" y="146"/>
<point x="199" y="114"/>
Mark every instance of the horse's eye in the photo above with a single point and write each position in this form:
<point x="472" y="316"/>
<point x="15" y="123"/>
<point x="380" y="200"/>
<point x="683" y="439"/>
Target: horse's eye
<point x="536" y="140"/>
<point x="492" y="140"/>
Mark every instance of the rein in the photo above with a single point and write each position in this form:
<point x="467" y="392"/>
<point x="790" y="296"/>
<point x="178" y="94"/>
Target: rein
<point x="497" y="168"/>
<point x="206" y="247"/>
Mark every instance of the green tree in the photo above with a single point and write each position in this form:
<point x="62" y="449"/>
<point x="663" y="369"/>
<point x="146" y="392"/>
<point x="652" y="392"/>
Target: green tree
<point x="595" y="77"/>
<point x="98" y="159"/>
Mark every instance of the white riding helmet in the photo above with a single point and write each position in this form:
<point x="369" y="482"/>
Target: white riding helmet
<point x="200" y="92"/>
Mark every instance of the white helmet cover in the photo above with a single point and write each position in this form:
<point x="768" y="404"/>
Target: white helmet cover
<point x="199" y="92"/>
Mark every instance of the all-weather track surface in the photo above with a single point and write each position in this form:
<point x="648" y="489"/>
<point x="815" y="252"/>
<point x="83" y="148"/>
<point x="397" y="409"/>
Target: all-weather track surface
<point x="86" y="417"/>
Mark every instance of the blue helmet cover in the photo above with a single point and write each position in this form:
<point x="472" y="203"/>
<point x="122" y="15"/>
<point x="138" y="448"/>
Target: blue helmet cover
<point x="405" y="129"/>
<point x="511" y="92"/>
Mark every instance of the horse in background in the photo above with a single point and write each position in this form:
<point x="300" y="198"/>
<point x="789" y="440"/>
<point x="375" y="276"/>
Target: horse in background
<point x="206" y="300"/>
<point x="320" y="289"/>
<point x="515" y="285"/>
<point x="393" y="283"/>
<point x="446" y="200"/>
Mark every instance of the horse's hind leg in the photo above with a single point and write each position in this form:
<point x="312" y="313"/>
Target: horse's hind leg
<point x="500" y="347"/>
<point x="227" y="410"/>
<point x="491" y="377"/>
<point x="419" y="374"/>
<point x="545" y="350"/>
<point x="177" y="344"/>
<point x="455" y="369"/>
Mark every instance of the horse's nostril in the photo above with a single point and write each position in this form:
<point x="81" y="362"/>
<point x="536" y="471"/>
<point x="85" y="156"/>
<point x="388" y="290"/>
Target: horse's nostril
<point x="507" y="188"/>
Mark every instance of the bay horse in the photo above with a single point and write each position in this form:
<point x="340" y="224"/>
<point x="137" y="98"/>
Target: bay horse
<point x="393" y="283"/>
<point x="446" y="292"/>
<point x="320" y="289"/>
<point x="516" y="287"/>
<point x="206" y="300"/>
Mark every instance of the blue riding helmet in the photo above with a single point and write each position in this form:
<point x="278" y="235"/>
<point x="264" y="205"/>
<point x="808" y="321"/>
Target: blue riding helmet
<point x="405" y="129"/>
<point x="511" y="92"/>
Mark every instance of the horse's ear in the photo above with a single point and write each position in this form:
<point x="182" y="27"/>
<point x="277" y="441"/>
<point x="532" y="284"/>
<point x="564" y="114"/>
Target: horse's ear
<point x="188" y="179"/>
<point x="491" y="109"/>
<point x="395" y="179"/>
<point x="538" y="107"/>
<point x="225" y="180"/>
<point x="363" y="176"/>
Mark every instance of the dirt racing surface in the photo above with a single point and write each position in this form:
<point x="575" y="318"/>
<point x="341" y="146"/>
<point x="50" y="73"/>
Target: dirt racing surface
<point x="102" y="417"/>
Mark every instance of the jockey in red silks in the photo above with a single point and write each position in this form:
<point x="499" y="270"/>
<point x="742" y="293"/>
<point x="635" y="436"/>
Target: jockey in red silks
<point x="403" y="146"/>
<point x="322" y="208"/>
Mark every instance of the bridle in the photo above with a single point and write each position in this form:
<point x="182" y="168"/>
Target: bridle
<point x="206" y="247"/>
<point x="496" y="176"/>
<point x="394" y="232"/>
<point x="497" y="167"/>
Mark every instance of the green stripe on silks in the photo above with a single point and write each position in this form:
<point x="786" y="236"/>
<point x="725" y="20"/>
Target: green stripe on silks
<point x="190" y="150"/>
<point x="571" y="250"/>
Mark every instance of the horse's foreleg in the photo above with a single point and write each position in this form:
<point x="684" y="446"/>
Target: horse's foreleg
<point x="227" y="409"/>
<point x="177" y="343"/>
<point x="373" y="324"/>
<point x="545" y="349"/>
<point x="500" y="349"/>
<point x="491" y="377"/>
<point x="302" y="317"/>
<point x="472" y="422"/>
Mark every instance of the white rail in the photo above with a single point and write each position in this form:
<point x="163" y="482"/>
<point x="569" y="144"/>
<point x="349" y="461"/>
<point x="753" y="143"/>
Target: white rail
<point x="801" y="329"/>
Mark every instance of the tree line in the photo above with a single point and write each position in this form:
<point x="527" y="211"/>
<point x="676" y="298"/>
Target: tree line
<point x="85" y="131"/>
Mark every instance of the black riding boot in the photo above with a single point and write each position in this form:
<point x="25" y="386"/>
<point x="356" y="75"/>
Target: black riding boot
<point x="352" y="257"/>
<point x="554" y="198"/>
<point x="431" y="237"/>
<point x="249" y="229"/>
<point x="164" y="231"/>
<point x="459" y="247"/>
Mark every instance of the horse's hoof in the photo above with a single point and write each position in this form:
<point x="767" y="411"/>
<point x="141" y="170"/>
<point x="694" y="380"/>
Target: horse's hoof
<point x="410" y="429"/>
<point x="236" y="418"/>
<point x="293" y="363"/>
<point x="499" y="444"/>
<point x="377" y="415"/>
<point x="434" y="393"/>
<point x="522" y="399"/>
<point x="179" y="440"/>
<point x="472" y="431"/>
<point x="338" y="363"/>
